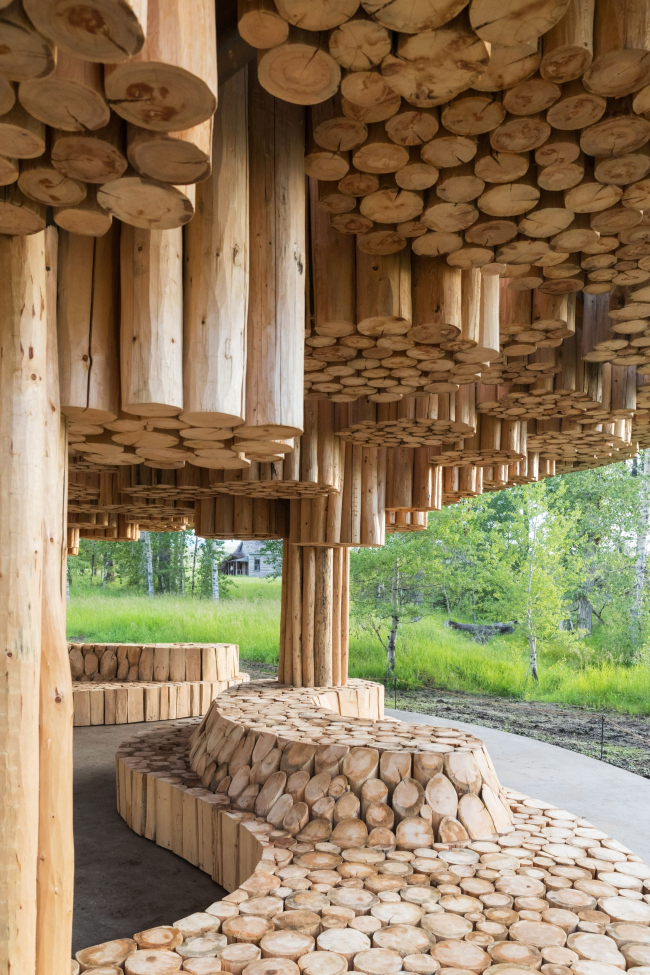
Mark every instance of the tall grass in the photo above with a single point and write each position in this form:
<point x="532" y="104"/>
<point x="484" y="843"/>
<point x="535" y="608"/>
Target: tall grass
<point x="427" y="652"/>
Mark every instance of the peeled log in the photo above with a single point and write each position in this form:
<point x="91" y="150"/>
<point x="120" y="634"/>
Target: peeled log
<point x="409" y="17"/>
<point x="23" y="346"/>
<point x="621" y="62"/>
<point x="24" y="53"/>
<point x="276" y="312"/>
<point x="55" y="873"/>
<point x="151" y="330"/>
<point x="87" y="327"/>
<point x="299" y="71"/>
<point x="216" y="273"/>
<point x="333" y="260"/>
<point x="21" y="136"/>
<point x="94" y="157"/>
<point x="171" y="83"/>
<point x="515" y="21"/>
<point x="430" y="68"/>
<point x="568" y="46"/>
<point x="147" y="203"/>
<point x="171" y="157"/>
<point x="260" y="24"/>
<point x="70" y="98"/>
<point x="104" y="31"/>
<point x="87" y="217"/>
<point x="19" y="214"/>
<point x="40" y="181"/>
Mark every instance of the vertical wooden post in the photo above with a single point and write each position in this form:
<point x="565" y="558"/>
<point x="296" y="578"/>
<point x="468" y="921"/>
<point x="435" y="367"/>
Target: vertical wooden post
<point x="216" y="273"/>
<point x="276" y="311"/>
<point x="23" y="337"/>
<point x="308" y="594"/>
<point x="337" y="580"/>
<point x="55" y="876"/>
<point x="345" y="615"/>
<point x="323" y="617"/>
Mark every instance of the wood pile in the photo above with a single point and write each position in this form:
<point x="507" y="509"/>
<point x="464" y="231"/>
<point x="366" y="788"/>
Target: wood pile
<point x="545" y="888"/>
<point x="153" y="662"/>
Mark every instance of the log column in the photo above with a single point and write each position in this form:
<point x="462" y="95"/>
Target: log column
<point x="23" y="337"/>
<point x="55" y="878"/>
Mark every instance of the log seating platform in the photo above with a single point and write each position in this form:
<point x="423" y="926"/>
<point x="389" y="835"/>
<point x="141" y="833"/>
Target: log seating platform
<point x="127" y="683"/>
<point x="366" y="844"/>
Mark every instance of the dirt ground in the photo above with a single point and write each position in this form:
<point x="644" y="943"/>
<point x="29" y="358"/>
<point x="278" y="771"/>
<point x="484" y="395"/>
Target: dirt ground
<point x="577" y="729"/>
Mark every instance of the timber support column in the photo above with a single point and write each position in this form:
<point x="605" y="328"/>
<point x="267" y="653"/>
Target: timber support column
<point x="23" y="367"/>
<point x="314" y="629"/>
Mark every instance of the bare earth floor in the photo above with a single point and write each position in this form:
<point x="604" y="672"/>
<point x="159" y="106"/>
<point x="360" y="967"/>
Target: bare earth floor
<point x="125" y="883"/>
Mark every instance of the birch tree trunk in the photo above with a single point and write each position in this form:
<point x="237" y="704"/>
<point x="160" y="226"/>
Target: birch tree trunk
<point x="196" y="542"/>
<point x="215" y="573"/>
<point x="182" y="567"/>
<point x="532" y="637"/>
<point x="636" y="610"/>
<point x="394" y="624"/>
<point x="148" y="562"/>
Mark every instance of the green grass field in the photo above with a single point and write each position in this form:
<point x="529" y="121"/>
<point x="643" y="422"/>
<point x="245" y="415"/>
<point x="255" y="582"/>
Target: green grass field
<point x="426" y="652"/>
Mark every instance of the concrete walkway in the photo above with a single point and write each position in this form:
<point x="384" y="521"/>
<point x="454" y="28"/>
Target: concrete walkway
<point x="123" y="883"/>
<point x="611" y="798"/>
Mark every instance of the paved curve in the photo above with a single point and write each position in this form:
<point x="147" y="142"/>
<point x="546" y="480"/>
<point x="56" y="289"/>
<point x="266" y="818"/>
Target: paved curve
<point x="613" y="799"/>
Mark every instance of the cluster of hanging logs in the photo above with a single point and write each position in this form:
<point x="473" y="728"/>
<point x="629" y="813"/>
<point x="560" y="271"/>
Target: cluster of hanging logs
<point x="356" y="844"/>
<point x="488" y="298"/>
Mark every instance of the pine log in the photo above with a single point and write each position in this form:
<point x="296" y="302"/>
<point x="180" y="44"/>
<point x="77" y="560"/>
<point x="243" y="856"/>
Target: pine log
<point x="436" y="300"/>
<point x="19" y="214"/>
<point x="23" y="338"/>
<point x="432" y="67"/>
<point x="360" y="43"/>
<point x="333" y="273"/>
<point x="472" y="114"/>
<point x="70" y="98"/>
<point x="55" y="875"/>
<point x="365" y="89"/>
<point x="7" y="96"/>
<point x="216" y="274"/>
<point x="509" y="64"/>
<point x="621" y="61"/>
<point x="40" y="181"/>
<point x="568" y="46"/>
<point x="9" y="170"/>
<point x="274" y="373"/>
<point x="172" y="157"/>
<point x="171" y="83"/>
<point x="299" y="71"/>
<point x="260" y="24"/>
<point x="151" y="330"/>
<point x="146" y="203"/>
<point x="86" y="218"/>
<point x="333" y="130"/>
<point x="87" y="327"/>
<point x="21" y="136"/>
<point x="515" y="23"/>
<point x="102" y="30"/>
<point x="93" y="157"/>
<point x="24" y="53"/>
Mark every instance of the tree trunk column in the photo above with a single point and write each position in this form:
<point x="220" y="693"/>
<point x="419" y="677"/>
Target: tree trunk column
<point x="314" y="622"/>
<point x="23" y="342"/>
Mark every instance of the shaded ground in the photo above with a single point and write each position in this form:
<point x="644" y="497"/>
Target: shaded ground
<point x="577" y="729"/>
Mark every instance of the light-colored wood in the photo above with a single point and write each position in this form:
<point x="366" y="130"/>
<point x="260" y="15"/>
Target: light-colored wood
<point x="299" y="71"/>
<point x="514" y="23"/>
<point x="40" y="181"/>
<point x="147" y="204"/>
<point x="621" y="64"/>
<point x="151" y="340"/>
<point x="21" y="135"/>
<point x="568" y="46"/>
<point x="277" y="270"/>
<point x="176" y="68"/>
<point x="359" y="43"/>
<point x="260" y="24"/>
<point x="70" y="98"/>
<point x="172" y="157"/>
<point x="106" y="30"/>
<point x="216" y="291"/>
<point x="86" y="218"/>
<point x="23" y="338"/>
<point x="92" y="157"/>
<point x="87" y="327"/>
<point x="55" y="875"/>
<point x="24" y="52"/>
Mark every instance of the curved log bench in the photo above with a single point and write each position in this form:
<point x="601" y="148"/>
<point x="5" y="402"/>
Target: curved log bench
<point x="536" y="887"/>
<point x="131" y="682"/>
